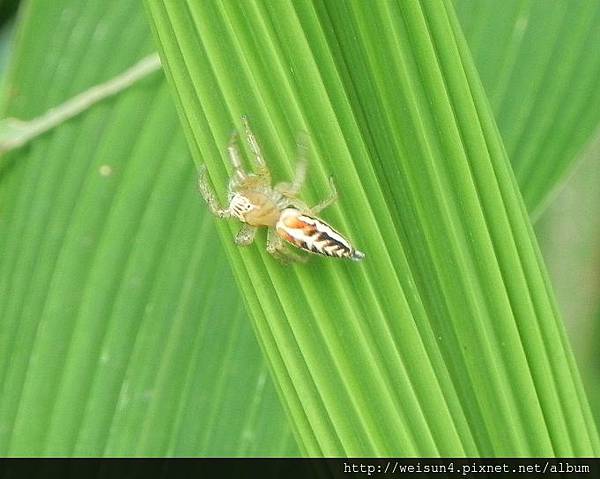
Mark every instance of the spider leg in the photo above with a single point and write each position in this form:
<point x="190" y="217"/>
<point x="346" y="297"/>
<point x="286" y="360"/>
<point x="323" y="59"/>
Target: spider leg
<point x="258" y="160"/>
<point x="327" y="201"/>
<point x="277" y="248"/>
<point x="246" y="235"/>
<point x="292" y="189"/>
<point x="302" y="161"/>
<point x="208" y="193"/>
<point x="235" y="158"/>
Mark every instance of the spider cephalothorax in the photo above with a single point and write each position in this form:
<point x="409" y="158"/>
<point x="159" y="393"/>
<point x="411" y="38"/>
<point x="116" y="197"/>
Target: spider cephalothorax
<point x="256" y="203"/>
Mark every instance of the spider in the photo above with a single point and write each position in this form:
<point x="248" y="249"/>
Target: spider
<point x="256" y="203"/>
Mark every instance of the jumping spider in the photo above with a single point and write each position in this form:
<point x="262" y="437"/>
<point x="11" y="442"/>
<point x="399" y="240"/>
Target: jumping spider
<point x="256" y="203"/>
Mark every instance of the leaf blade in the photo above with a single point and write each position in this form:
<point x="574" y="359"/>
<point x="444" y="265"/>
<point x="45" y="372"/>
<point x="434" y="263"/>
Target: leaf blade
<point x="113" y="326"/>
<point x="479" y="251"/>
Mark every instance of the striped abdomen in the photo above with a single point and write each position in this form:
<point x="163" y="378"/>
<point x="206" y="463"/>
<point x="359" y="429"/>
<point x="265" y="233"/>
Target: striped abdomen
<point x="313" y="235"/>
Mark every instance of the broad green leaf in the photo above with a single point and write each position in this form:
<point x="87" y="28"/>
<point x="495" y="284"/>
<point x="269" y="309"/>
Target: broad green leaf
<point x="541" y="75"/>
<point x="121" y="330"/>
<point x="446" y="339"/>
<point x="540" y="68"/>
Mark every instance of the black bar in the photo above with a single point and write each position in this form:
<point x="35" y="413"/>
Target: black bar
<point x="149" y="468"/>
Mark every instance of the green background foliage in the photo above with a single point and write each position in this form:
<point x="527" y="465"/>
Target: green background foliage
<point x="122" y="328"/>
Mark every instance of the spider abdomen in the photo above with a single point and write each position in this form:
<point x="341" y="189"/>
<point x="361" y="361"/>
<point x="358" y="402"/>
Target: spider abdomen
<point x="314" y="235"/>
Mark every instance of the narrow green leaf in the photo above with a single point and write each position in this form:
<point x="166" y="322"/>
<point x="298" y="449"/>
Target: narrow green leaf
<point x="121" y="329"/>
<point x="445" y="340"/>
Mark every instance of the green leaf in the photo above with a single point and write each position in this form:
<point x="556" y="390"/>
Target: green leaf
<point x="540" y="72"/>
<point x="445" y="340"/>
<point x="535" y="61"/>
<point x="122" y="331"/>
